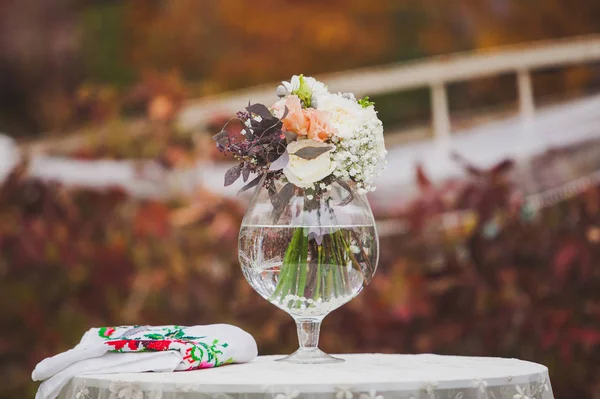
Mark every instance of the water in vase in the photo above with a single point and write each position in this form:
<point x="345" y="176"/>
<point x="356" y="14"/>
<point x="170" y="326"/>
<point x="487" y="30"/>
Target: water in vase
<point x="308" y="271"/>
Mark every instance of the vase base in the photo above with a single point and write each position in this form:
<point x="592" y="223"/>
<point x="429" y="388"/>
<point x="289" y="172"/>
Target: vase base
<point x="310" y="356"/>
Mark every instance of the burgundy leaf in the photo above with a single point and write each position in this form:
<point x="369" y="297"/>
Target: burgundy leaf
<point x="285" y="113"/>
<point x="256" y="149"/>
<point x="311" y="152"/>
<point x="472" y="170"/>
<point x="422" y="180"/>
<point x="286" y="193"/>
<point x="245" y="174"/>
<point x="221" y="137"/>
<point x="249" y="134"/>
<point x="280" y="162"/>
<point x="281" y="199"/>
<point x="254" y="182"/>
<point x="502" y="167"/>
<point x="232" y="175"/>
<point x="290" y="136"/>
<point x="350" y="195"/>
<point x="260" y="110"/>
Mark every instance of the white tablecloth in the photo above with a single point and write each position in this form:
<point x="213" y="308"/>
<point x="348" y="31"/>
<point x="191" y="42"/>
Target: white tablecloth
<point x="364" y="376"/>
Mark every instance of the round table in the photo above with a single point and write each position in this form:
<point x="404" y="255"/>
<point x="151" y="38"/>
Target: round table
<point x="362" y="376"/>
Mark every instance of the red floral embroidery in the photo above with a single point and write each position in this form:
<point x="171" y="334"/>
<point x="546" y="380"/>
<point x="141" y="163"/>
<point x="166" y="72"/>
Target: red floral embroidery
<point x="166" y="339"/>
<point x="118" y="345"/>
<point x="158" y="345"/>
<point x="133" y="345"/>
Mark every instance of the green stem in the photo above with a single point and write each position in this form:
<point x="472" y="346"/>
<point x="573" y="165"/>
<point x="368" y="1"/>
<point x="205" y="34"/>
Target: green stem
<point x="317" y="290"/>
<point x="330" y="259"/>
<point x="286" y="270"/>
<point x="364" y="255"/>
<point x="339" y="262"/>
<point x="328" y="281"/>
<point x="302" y="269"/>
<point x="341" y="244"/>
<point x="356" y="262"/>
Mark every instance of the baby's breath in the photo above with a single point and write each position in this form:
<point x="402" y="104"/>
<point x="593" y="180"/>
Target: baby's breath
<point x="360" y="157"/>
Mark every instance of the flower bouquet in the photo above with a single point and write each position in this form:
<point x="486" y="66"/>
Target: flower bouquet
<point x="308" y="242"/>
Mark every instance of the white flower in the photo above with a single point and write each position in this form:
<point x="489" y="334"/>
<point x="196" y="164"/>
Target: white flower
<point x="361" y="157"/>
<point x="520" y="394"/>
<point x="124" y="390"/>
<point x="344" y="114"/>
<point x="372" y="394"/>
<point x="371" y="114"/>
<point x="317" y="88"/>
<point x="305" y="172"/>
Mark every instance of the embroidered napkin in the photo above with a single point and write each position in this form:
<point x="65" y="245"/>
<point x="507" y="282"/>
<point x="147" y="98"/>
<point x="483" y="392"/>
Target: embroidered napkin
<point x="145" y="348"/>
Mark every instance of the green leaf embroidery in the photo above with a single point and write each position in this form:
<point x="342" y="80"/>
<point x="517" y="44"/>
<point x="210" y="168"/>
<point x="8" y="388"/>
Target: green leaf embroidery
<point x="103" y="332"/>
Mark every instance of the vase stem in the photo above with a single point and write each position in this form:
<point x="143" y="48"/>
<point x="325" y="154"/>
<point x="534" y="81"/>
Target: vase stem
<point x="308" y="333"/>
<point x="308" y="338"/>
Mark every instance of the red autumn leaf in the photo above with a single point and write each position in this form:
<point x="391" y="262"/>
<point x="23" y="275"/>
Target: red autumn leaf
<point x="152" y="219"/>
<point x="587" y="336"/>
<point x="570" y="255"/>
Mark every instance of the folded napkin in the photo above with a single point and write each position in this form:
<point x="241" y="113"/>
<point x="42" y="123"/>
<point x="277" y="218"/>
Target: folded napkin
<point x="128" y="349"/>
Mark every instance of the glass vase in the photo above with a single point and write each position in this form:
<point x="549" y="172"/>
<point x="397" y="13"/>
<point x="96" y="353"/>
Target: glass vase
<point x="309" y="255"/>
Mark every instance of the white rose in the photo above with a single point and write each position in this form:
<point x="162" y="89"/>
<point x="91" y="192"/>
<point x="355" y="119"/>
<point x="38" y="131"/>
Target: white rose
<point x="305" y="172"/>
<point x="344" y="113"/>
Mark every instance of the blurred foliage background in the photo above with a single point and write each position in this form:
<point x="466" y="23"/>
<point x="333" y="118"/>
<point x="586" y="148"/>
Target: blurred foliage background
<point x="496" y="279"/>
<point x="51" y="51"/>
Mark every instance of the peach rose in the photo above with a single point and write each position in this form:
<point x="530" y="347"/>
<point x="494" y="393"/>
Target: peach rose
<point x="319" y="128"/>
<point x="295" y="121"/>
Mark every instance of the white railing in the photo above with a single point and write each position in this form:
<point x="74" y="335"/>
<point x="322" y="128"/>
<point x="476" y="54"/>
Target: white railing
<point x="434" y="73"/>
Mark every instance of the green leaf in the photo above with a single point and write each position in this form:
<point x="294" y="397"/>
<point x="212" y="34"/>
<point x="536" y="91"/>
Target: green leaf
<point x="303" y="92"/>
<point x="364" y="102"/>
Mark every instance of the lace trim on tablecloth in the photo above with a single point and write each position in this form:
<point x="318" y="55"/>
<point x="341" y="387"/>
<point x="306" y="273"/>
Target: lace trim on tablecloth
<point x="478" y="389"/>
